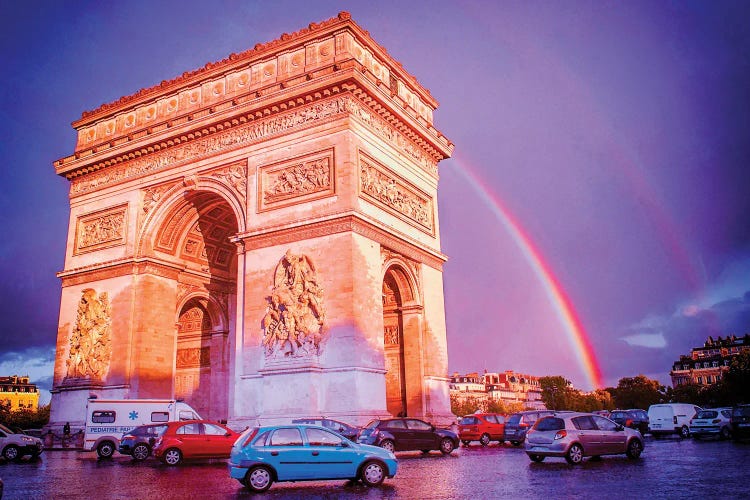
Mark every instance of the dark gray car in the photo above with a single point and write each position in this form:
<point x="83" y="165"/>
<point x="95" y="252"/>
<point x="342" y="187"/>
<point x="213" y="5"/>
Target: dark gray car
<point x="519" y="423"/>
<point x="140" y="440"/>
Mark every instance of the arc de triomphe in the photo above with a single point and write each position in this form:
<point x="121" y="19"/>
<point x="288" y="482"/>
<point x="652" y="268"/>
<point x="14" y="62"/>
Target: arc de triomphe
<point x="260" y="238"/>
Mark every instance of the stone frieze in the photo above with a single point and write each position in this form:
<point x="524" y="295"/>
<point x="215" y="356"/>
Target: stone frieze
<point x="101" y="230"/>
<point x="90" y="342"/>
<point x="297" y="180"/>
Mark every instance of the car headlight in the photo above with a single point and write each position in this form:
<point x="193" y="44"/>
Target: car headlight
<point x="27" y="439"/>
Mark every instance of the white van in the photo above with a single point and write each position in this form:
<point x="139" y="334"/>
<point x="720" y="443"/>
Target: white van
<point x="671" y="418"/>
<point x="108" y="419"/>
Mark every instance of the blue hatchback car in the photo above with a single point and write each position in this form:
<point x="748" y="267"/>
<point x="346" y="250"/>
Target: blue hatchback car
<point x="299" y="452"/>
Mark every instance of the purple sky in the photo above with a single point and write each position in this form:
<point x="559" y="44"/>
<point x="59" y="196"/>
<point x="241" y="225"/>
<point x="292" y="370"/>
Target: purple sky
<point x="615" y="132"/>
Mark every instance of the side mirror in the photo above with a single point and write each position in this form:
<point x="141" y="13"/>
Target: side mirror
<point x="432" y="428"/>
<point x="344" y="444"/>
<point x="619" y="428"/>
<point x="227" y="434"/>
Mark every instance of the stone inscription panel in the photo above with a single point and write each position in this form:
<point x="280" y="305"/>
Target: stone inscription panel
<point x="298" y="180"/>
<point x="103" y="229"/>
<point x="395" y="195"/>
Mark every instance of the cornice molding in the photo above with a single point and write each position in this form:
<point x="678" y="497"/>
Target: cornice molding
<point x="354" y="223"/>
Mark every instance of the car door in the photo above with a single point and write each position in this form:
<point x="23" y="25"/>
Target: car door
<point x="496" y="426"/>
<point x="401" y="434"/>
<point x="218" y="441"/>
<point x="423" y="435"/>
<point x="612" y="436"/>
<point x="588" y="434"/>
<point x="288" y="454"/>
<point x="193" y="442"/>
<point x="330" y="456"/>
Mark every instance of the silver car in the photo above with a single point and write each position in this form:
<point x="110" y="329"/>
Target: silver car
<point x="577" y="435"/>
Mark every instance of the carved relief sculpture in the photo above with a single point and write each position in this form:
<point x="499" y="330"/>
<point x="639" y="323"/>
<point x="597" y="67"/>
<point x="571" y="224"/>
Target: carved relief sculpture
<point x="395" y="195"/>
<point x="90" y="348"/>
<point x="390" y="333"/>
<point x="295" y="317"/>
<point x="295" y="181"/>
<point x="100" y="230"/>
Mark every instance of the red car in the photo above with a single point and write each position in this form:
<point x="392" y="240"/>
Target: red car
<point x="482" y="427"/>
<point x="194" y="439"/>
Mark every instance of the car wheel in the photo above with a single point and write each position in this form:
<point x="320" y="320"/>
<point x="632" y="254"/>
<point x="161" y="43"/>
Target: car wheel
<point x="11" y="452"/>
<point x="258" y="479"/>
<point x="536" y="458"/>
<point x="105" y="449"/>
<point x="466" y="443"/>
<point x="516" y="443"/>
<point x="388" y="445"/>
<point x="172" y="456"/>
<point x="373" y="473"/>
<point x="446" y="446"/>
<point x="634" y="449"/>
<point x="684" y="432"/>
<point x="484" y="440"/>
<point x="725" y="434"/>
<point x="425" y="451"/>
<point x="574" y="456"/>
<point x="141" y="452"/>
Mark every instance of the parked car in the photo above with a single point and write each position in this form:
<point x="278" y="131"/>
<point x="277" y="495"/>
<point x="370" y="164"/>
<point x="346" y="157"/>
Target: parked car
<point x="519" y="423"/>
<point x="671" y="418"/>
<point x="577" y="435"/>
<point x="305" y="453"/>
<point x="348" y="431"/>
<point x="482" y="427"/>
<point x="712" y="422"/>
<point x="404" y="434"/>
<point x="15" y="446"/>
<point x="740" y="421"/>
<point x="194" y="439"/>
<point x="633" y="418"/>
<point x="139" y="441"/>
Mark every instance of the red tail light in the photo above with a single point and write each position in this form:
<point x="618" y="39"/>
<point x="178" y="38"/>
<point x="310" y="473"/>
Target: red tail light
<point x="560" y="434"/>
<point x="523" y="426"/>
<point x="250" y="437"/>
<point x="628" y="423"/>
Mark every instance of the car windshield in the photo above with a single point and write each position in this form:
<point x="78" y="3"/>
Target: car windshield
<point x="550" y="424"/>
<point x="514" y="419"/>
<point x="707" y="414"/>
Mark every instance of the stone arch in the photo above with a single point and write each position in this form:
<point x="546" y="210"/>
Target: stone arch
<point x="160" y="202"/>
<point x="191" y="229"/>
<point x="402" y="336"/>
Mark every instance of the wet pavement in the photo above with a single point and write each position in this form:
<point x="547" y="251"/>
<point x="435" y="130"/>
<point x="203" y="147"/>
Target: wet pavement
<point x="668" y="468"/>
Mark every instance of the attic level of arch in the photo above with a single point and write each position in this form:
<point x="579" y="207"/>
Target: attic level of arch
<point x="352" y="80"/>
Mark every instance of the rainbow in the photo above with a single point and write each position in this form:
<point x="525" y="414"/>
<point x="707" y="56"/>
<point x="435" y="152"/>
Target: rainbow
<point x="560" y="301"/>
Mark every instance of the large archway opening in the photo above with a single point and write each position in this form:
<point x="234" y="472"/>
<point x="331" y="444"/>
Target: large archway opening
<point x="393" y="337"/>
<point x="196" y="234"/>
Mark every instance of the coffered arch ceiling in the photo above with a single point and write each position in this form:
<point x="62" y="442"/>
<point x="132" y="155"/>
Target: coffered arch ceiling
<point x="196" y="232"/>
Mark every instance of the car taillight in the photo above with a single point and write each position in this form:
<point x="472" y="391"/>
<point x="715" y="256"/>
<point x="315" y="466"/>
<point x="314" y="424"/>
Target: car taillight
<point x="523" y="426"/>
<point x="560" y="434"/>
<point x="628" y="423"/>
<point x="250" y="437"/>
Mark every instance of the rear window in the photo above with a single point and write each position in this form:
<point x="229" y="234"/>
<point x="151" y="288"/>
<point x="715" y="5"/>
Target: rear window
<point x="743" y="411"/>
<point x="468" y="421"/>
<point x="514" y="419"/>
<point x="707" y="414"/>
<point x="550" y="424"/>
<point x="617" y="414"/>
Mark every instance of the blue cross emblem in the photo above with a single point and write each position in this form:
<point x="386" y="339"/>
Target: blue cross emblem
<point x="133" y="415"/>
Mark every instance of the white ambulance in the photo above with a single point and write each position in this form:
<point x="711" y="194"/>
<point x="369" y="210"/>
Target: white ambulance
<point x="108" y="419"/>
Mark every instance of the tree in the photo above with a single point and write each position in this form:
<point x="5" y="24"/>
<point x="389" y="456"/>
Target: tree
<point x="738" y="377"/>
<point x="461" y="405"/>
<point x="24" y="418"/>
<point x="556" y="393"/>
<point x="637" y="392"/>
